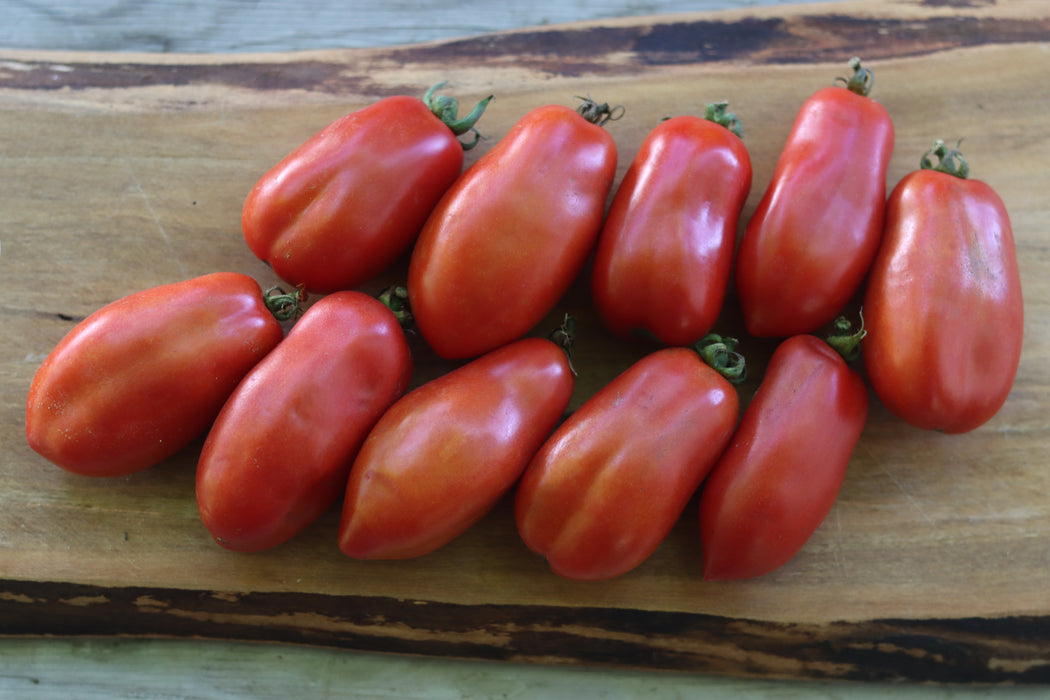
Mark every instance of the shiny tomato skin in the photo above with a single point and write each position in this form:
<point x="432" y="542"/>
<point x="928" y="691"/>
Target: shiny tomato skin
<point x="607" y="487"/>
<point x="344" y="205"/>
<point x="809" y="244"/>
<point x="444" y="454"/>
<point x="280" y="450"/>
<point x="512" y="234"/>
<point x="142" y="377"/>
<point x="784" y="467"/>
<point x="943" y="305"/>
<point x="665" y="252"/>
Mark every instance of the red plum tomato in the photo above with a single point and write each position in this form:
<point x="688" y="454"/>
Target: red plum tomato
<point x="943" y="304"/>
<point x="785" y="464"/>
<point x="444" y="454"/>
<point x="665" y="253"/>
<point x="608" y="486"/>
<point x="280" y="451"/>
<point x="513" y="233"/>
<point x="808" y="246"/>
<point x="345" y="204"/>
<point x="142" y="377"/>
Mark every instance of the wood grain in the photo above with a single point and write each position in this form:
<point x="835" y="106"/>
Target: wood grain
<point x="125" y="171"/>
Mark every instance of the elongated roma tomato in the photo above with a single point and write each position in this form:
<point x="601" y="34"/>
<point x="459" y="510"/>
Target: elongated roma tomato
<point x="343" y="206"/>
<point x="943" y="303"/>
<point x="443" y="455"/>
<point x="280" y="451"/>
<point x="512" y="234"/>
<point x="783" y="469"/>
<point x="607" y="487"/>
<point x="142" y="377"/>
<point x="666" y="250"/>
<point x="809" y="244"/>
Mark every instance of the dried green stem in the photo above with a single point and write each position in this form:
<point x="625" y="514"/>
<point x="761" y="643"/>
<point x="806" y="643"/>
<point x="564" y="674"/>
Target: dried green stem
<point x="949" y="160"/>
<point x="599" y="113"/>
<point x="719" y="352"/>
<point x="395" y="298"/>
<point x="564" y="336"/>
<point x="284" y="305"/>
<point x="862" y="80"/>
<point x="716" y="112"/>
<point x="846" y="341"/>
<point x="447" y="110"/>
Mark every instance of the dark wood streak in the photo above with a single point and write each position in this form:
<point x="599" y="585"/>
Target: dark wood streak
<point x="570" y="52"/>
<point x="957" y="3"/>
<point x="829" y="37"/>
<point x="308" y="74"/>
<point x="800" y="39"/>
<point x="972" y="650"/>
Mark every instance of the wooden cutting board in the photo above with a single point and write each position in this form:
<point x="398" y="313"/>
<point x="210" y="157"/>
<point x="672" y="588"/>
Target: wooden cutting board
<point x="120" y="171"/>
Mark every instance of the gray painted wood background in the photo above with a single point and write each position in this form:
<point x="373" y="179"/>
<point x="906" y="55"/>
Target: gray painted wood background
<point x="198" y="26"/>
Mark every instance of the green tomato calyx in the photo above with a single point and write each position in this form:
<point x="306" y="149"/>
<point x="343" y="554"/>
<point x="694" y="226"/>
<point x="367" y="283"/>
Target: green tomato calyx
<point x="285" y="306"/>
<point x="716" y="112"/>
<point x="949" y="160"/>
<point x="446" y="109"/>
<point x="861" y="81"/>
<point x="598" y="113"/>
<point x="844" y="340"/>
<point x="719" y="352"/>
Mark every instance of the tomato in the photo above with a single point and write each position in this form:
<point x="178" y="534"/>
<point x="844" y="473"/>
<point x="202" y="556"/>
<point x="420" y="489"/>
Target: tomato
<point x="943" y="303"/>
<point x="342" y="207"/>
<point x="664" y="256"/>
<point x="809" y="244"/>
<point x="444" y="454"/>
<point x="606" y="488"/>
<point x="142" y="377"/>
<point x="280" y="451"/>
<point x="783" y="469"/>
<point x="512" y="234"/>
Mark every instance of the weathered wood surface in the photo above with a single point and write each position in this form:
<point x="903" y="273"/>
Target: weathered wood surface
<point x="125" y="171"/>
<point x="187" y="26"/>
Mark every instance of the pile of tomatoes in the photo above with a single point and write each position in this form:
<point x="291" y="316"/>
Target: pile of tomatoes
<point x="295" y="421"/>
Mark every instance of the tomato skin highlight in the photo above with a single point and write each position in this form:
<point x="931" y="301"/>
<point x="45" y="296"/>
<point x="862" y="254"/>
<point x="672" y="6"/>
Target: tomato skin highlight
<point x="606" y="488"/>
<point x="346" y="203"/>
<point x="943" y="305"/>
<point x="809" y="244"/>
<point x="444" y="454"/>
<point x="512" y="234"/>
<point x="665" y="253"/>
<point x="280" y="450"/>
<point x="783" y="469"/>
<point x="142" y="377"/>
